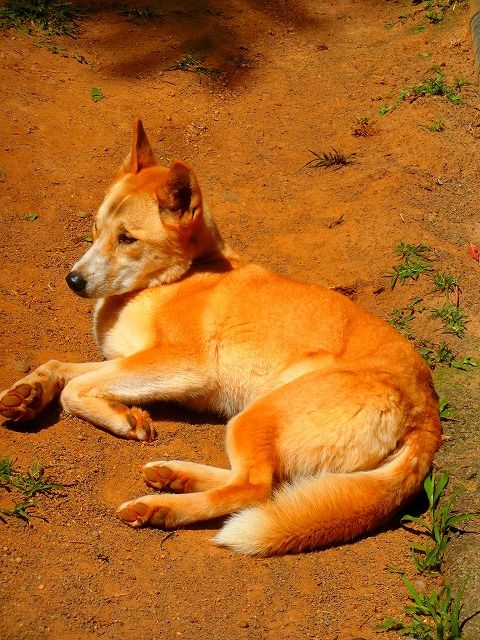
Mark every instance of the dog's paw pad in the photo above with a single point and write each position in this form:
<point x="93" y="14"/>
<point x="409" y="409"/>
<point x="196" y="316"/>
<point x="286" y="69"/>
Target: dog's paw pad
<point x="137" y="513"/>
<point x="132" y="513"/>
<point x="141" y="425"/>
<point x="21" y="402"/>
<point x="161" y="476"/>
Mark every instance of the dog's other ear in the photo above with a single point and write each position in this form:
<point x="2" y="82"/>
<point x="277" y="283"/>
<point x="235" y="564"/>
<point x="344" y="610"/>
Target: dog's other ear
<point x="141" y="156"/>
<point x="184" y="193"/>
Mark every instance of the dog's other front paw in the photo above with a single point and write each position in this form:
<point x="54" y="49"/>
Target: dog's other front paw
<point x="22" y="402"/>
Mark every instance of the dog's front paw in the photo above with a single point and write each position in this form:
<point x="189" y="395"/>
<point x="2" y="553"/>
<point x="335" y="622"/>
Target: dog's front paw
<point x="136" y="513"/>
<point x="22" y="402"/>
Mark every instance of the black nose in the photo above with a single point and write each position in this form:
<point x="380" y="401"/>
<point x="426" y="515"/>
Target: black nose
<point x="76" y="282"/>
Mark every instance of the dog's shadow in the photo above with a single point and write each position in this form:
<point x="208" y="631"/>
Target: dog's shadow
<point x="172" y="412"/>
<point x="46" y="418"/>
<point x="159" y="412"/>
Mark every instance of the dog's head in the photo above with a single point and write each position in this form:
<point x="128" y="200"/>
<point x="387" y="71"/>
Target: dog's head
<point x="148" y="229"/>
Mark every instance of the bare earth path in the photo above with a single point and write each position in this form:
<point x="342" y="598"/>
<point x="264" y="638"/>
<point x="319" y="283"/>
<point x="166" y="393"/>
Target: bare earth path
<point x="294" y="76"/>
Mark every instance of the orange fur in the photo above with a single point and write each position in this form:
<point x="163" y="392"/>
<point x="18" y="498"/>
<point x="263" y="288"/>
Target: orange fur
<point x="333" y="420"/>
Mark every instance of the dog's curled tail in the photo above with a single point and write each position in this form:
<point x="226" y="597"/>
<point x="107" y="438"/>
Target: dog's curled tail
<point x="331" y="508"/>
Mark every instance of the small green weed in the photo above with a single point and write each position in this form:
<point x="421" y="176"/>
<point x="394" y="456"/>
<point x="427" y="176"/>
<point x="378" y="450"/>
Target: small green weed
<point x="435" y="10"/>
<point x="6" y="471"/>
<point x="434" y="16"/>
<point x="28" y="485"/>
<point x="452" y="317"/>
<point x="443" y="354"/>
<point x="194" y="64"/>
<point x="440" y="523"/>
<point x="436" y="85"/>
<point x="436" y="126"/>
<point x="96" y="94"/>
<point x="401" y="318"/>
<point x="420" y="28"/>
<point x="445" y="283"/>
<point x="446" y="411"/>
<point x="458" y="83"/>
<point x="415" y="261"/>
<point x="49" y="16"/>
<point x="431" y="617"/>
<point x="384" y="109"/>
<point x="405" y="250"/>
<point x="334" y="159"/>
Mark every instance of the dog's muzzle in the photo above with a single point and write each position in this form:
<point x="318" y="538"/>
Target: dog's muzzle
<point x="76" y="282"/>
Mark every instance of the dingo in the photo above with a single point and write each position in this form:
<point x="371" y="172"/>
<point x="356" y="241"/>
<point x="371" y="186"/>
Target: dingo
<point x="333" y="416"/>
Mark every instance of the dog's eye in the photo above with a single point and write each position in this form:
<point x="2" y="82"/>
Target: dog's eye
<point x="124" y="238"/>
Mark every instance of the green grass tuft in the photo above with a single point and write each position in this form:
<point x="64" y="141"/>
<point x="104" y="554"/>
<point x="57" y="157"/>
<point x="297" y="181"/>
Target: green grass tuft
<point x="49" y="16"/>
<point x="440" y="522"/>
<point x="25" y="485"/>
<point x="415" y="260"/>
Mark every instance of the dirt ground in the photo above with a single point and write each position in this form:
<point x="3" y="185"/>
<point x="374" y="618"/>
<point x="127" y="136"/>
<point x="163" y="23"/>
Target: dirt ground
<point x="294" y="76"/>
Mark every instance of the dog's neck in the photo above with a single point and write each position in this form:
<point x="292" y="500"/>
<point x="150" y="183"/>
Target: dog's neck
<point x="210" y="250"/>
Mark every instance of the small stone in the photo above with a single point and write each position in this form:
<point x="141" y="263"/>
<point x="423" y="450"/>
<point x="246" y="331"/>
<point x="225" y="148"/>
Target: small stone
<point x="18" y="560"/>
<point x="41" y="587"/>
<point x="83" y="214"/>
<point x="230" y="196"/>
<point x="21" y="366"/>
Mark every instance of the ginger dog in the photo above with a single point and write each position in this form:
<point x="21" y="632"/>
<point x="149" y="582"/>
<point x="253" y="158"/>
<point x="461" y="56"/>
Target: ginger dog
<point x="333" y="420"/>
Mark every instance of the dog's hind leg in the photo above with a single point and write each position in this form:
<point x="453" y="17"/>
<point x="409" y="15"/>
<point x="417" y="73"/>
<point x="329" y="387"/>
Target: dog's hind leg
<point x="251" y="448"/>
<point x="31" y="394"/>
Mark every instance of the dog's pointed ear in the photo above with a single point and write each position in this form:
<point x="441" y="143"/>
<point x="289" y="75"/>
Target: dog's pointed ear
<point x="184" y="195"/>
<point x="141" y="156"/>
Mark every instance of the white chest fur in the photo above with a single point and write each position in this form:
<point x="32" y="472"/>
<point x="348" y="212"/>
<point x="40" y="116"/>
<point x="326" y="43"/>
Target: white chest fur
<point x="123" y="326"/>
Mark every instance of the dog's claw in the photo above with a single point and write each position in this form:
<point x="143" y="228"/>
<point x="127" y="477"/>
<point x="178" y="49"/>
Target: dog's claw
<point x="141" y="425"/>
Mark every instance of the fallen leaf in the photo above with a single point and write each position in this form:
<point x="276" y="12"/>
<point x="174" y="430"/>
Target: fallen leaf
<point x="473" y="251"/>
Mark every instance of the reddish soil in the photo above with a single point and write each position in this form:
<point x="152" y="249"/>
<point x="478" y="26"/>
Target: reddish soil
<point x="294" y="76"/>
